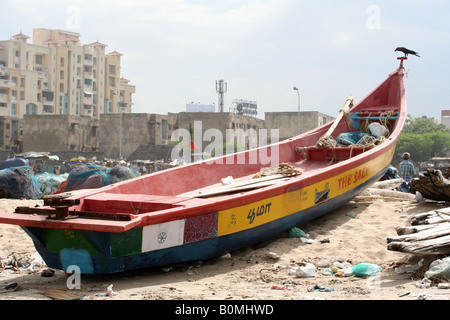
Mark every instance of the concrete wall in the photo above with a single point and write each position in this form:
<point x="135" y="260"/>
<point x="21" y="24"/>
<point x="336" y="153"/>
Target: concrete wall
<point x="60" y="132"/>
<point x="87" y="134"/>
<point x="288" y="125"/>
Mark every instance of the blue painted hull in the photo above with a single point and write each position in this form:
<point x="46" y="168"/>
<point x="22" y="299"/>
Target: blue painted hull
<point x="98" y="258"/>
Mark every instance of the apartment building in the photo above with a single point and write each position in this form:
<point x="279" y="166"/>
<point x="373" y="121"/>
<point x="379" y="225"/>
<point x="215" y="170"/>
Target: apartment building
<point x="56" y="74"/>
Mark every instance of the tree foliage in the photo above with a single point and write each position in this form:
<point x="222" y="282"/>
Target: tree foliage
<point x="423" y="138"/>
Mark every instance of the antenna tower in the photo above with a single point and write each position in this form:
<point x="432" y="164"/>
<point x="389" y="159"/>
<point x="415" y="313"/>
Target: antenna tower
<point x="221" y="89"/>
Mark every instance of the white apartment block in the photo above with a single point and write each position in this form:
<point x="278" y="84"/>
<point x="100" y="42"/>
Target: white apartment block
<point x="58" y="75"/>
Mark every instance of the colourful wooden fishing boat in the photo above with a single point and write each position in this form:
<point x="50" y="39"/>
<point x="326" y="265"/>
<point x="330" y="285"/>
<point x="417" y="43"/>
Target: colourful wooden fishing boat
<point x="186" y="214"/>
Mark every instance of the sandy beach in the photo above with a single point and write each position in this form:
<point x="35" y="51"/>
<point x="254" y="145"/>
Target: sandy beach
<point x="355" y="233"/>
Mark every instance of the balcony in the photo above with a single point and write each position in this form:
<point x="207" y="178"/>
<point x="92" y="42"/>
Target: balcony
<point x="3" y="97"/>
<point x="5" y="83"/>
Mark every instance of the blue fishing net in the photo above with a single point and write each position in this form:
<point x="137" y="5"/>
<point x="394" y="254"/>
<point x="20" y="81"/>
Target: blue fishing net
<point x="88" y="177"/>
<point x="357" y="137"/>
<point x="18" y="183"/>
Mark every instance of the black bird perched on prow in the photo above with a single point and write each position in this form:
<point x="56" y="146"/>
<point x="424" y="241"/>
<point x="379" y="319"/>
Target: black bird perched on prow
<point x="407" y="51"/>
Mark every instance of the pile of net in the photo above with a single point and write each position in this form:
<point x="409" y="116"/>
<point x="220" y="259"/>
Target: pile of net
<point x="89" y="177"/>
<point x="49" y="182"/>
<point x="19" y="183"/>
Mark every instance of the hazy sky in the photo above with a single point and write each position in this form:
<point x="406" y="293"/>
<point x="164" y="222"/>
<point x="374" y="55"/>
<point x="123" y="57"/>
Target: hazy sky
<point x="175" y="50"/>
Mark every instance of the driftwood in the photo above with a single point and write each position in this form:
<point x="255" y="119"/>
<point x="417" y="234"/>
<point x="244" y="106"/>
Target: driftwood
<point x="432" y="185"/>
<point x="428" y="234"/>
<point x="388" y="194"/>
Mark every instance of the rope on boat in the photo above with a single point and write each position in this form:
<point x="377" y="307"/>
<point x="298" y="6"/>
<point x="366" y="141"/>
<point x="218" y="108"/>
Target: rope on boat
<point x="366" y="142"/>
<point x="283" y="168"/>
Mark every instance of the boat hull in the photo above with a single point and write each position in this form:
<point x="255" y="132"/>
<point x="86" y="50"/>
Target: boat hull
<point x="96" y="252"/>
<point x="185" y="214"/>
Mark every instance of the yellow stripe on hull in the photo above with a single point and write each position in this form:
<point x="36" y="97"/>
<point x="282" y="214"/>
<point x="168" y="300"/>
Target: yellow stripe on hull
<point x="261" y="212"/>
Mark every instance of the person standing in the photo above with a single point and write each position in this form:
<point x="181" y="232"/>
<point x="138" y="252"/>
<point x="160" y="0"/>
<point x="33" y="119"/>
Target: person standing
<point x="406" y="171"/>
<point x="406" y="168"/>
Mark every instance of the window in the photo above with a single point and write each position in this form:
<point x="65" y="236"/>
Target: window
<point x="112" y="69"/>
<point x="38" y="59"/>
<point x="61" y="63"/>
<point x="22" y="95"/>
<point x="112" y="81"/>
<point x="22" y="82"/>
<point x="13" y="108"/>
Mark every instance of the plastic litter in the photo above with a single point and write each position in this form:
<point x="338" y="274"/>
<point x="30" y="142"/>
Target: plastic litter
<point x="309" y="270"/>
<point x="281" y="287"/>
<point x="322" y="289"/>
<point x="351" y="214"/>
<point x="378" y="130"/>
<point x="439" y="271"/>
<point x="227" y="181"/>
<point x="49" y="182"/>
<point x="110" y="292"/>
<point x="350" y="138"/>
<point x="296" y="233"/>
<point x="366" y="269"/>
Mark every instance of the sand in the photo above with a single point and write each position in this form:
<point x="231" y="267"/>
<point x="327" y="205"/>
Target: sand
<point x="252" y="273"/>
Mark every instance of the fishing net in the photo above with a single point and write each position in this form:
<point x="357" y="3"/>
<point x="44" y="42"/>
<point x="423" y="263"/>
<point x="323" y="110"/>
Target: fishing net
<point x="86" y="177"/>
<point x="49" y="182"/>
<point x="19" y="183"/>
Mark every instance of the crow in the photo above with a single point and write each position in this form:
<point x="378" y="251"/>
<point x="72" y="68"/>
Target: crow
<point x="407" y="51"/>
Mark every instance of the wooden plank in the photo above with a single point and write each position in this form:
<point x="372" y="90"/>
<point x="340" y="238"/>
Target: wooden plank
<point x="79" y="214"/>
<point x="413" y="229"/>
<point x="437" y="246"/>
<point x="429" y="233"/>
<point x="235" y="185"/>
<point x="348" y="103"/>
<point x="223" y="191"/>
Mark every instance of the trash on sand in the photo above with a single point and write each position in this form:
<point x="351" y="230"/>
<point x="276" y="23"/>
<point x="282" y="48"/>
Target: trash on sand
<point x="10" y="287"/>
<point x="296" y="233"/>
<point x="57" y="294"/>
<point x="281" y="287"/>
<point x="110" y="292"/>
<point x="225" y="256"/>
<point x="273" y="255"/>
<point x="47" y="273"/>
<point x="366" y="269"/>
<point x="321" y="289"/>
<point x="439" y="271"/>
<point x="407" y="268"/>
<point x="351" y="214"/>
<point x="309" y="270"/>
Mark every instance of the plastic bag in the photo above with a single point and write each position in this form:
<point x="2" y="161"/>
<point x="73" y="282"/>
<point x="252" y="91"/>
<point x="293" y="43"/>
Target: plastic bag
<point x="441" y="271"/>
<point x="378" y="130"/>
<point x="366" y="269"/>
<point x="296" y="233"/>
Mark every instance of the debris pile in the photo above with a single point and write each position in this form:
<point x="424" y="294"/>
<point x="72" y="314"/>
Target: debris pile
<point x="16" y="262"/>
